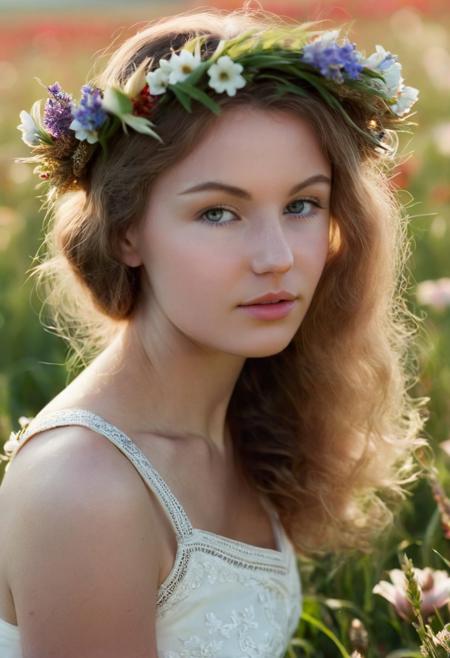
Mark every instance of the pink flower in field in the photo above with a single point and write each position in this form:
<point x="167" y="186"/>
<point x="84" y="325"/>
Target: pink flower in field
<point x="435" y="293"/>
<point x="434" y="591"/>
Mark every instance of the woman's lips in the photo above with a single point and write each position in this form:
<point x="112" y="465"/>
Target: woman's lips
<point x="270" y="311"/>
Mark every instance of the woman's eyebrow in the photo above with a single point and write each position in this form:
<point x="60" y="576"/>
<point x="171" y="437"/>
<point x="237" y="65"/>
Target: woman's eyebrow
<point x="237" y="191"/>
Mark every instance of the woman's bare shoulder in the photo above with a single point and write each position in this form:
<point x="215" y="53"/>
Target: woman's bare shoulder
<point x="69" y="497"/>
<point x="76" y="471"/>
<point x="70" y="458"/>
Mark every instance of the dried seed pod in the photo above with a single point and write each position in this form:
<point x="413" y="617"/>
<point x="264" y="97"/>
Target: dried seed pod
<point x="359" y="637"/>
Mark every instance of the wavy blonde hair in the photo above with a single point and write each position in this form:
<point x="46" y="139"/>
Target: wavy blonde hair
<point x="326" y="428"/>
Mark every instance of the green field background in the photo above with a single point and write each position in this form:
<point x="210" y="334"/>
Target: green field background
<point x="63" y="43"/>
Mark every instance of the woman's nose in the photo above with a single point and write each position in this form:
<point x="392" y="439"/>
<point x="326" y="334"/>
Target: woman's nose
<point x="270" y="249"/>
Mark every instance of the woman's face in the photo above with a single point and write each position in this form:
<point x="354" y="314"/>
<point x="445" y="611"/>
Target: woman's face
<point x="206" y="252"/>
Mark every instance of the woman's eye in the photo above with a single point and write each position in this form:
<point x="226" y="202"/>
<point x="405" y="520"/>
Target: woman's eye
<point x="215" y="214"/>
<point x="307" y="207"/>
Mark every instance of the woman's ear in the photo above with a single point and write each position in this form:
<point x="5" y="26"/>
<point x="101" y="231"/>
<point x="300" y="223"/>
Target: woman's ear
<point x="128" y="251"/>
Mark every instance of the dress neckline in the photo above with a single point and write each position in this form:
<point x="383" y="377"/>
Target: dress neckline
<point x="277" y="529"/>
<point x="280" y="551"/>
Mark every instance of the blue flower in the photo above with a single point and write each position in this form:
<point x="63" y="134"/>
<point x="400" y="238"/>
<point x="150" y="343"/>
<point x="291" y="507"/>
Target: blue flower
<point x="333" y="60"/>
<point x="89" y="116"/>
<point x="57" y="112"/>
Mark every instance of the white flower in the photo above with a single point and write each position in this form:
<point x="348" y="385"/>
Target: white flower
<point x="225" y="75"/>
<point x="393" y="79"/>
<point x="182" y="65"/>
<point x="405" y="100"/>
<point x="82" y="134"/>
<point x="29" y="129"/>
<point x="385" y="63"/>
<point x="379" y="57"/>
<point x="159" y="79"/>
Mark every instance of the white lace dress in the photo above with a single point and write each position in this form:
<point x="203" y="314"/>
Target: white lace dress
<point x="223" y="598"/>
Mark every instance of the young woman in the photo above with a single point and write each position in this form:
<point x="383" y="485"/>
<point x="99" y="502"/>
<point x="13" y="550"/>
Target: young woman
<point x="225" y="255"/>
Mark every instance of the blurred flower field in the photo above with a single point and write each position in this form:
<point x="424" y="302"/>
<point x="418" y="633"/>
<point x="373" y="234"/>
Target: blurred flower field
<point x="374" y="606"/>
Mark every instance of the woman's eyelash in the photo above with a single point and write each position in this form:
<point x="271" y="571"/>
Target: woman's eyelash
<point x="313" y="201"/>
<point x="202" y="219"/>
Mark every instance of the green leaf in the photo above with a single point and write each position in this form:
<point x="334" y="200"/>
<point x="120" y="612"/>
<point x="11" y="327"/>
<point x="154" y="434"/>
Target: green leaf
<point x="262" y="61"/>
<point x="105" y="132"/>
<point x="108" y="128"/>
<point x="305" y="645"/>
<point x="140" y="125"/>
<point x="191" y="43"/>
<point x="316" y="622"/>
<point x="196" y="74"/>
<point x="326" y="95"/>
<point x="104" y="144"/>
<point x="280" y="55"/>
<point x="116" y="101"/>
<point x="218" y="51"/>
<point x="371" y="73"/>
<point x="404" y="653"/>
<point x="429" y="536"/>
<point x="45" y="137"/>
<point x="236" y="41"/>
<point x="366" y="89"/>
<point x="241" y="44"/>
<point x="334" y="103"/>
<point x="441" y="556"/>
<point x="200" y="96"/>
<point x="284" y="85"/>
<point x="181" y="95"/>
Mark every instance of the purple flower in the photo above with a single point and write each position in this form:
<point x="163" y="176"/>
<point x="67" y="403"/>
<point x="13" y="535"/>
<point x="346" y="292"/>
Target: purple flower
<point x="57" y="111"/>
<point x="89" y="115"/>
<point x="331" y="59"/>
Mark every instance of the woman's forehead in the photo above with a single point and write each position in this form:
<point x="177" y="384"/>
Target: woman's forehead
<point x="246" y="142"/>
<point x="257" y="123"/>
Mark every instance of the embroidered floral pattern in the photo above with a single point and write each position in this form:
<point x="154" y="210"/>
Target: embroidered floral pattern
<point x="244" y="632"/>
<point x="250" y="614"/>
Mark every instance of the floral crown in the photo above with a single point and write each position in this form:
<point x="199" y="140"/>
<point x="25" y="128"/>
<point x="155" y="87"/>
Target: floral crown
<point x="295" y="59"/>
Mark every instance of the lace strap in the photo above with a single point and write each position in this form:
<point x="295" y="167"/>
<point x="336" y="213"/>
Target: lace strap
<point x="61" y="417"/>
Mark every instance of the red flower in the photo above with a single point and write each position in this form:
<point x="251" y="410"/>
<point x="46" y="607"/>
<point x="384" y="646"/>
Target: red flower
<point x="144" y="103"/>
